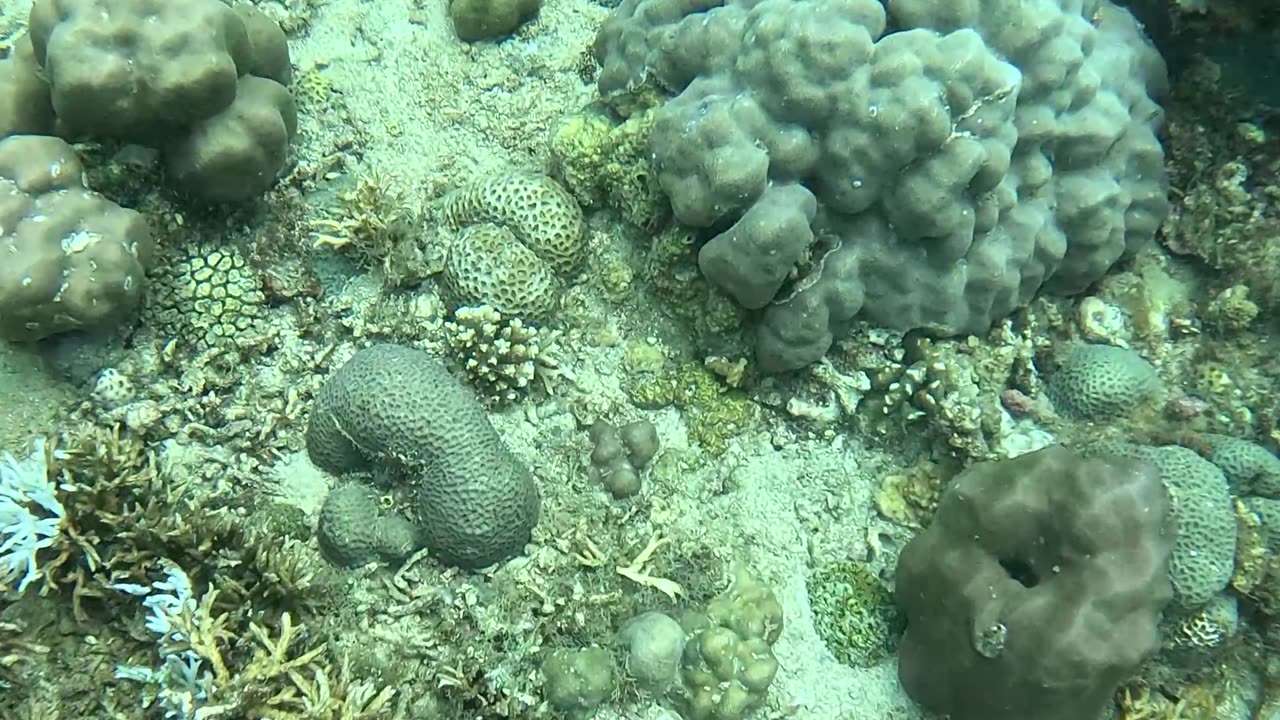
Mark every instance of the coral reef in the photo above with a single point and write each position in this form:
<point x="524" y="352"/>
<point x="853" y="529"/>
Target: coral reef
<point x="490" y="19"/>
<point x="1101" y="381"/>
<point x="728" y="661"/>
<point x="487" y="265"/>
<point x="201" y="81"/>
<point x="750" y="152"/>
<point x="384" y="443"/>
<point x="210" y="298"/>
<point x="501" y="356"/>
<point x="1201" y="509"/>
<point x="354" y="529"/>
<point x="854" y="613"/>
<point x="620" y="453"/>
<point x="541" y="215"/>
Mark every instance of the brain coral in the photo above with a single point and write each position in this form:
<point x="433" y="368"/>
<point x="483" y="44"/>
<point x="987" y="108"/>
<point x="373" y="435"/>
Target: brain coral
<point x="1101" y="381"/>
<point x="488" y="266"/>
<point x="963" y="155"/>
<point x="397" y="409"/>
<point x="1204" y="550"/>
<point x="543" y="216"/>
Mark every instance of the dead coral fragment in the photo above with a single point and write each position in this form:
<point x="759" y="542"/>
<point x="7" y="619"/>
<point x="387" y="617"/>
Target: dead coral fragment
<point x="374" y="225"/>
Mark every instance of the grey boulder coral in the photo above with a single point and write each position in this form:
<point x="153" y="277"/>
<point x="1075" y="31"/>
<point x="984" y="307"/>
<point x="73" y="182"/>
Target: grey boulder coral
<point x="1037" y="589"/>
<point x="72" y="259"/>
<point x="355" y="530"/>
<point x="963" y="155"/>
<point x="397" y="410"/>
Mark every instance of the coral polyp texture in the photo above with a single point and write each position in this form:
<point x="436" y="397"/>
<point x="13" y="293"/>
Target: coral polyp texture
<point x="73" y="260"/>
<point x="923" y="164"/>
<point x="24" y="97"/>
<point x="398" y="412"/>
<point x="1037" y="589"/>
<point x="200" y="80"/>
<point x="1102" y="381"/>
<point x="543" y="216"/>
<point x="520" y="236"/>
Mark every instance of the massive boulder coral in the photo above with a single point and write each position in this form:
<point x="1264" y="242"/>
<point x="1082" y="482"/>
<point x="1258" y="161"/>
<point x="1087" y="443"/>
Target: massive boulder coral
<point x="397" y="411"/>
<point x="962" y="156"/>
<point x="72" y="259"/>
<point x="197" y="78"/>
<point x="1037" y="589"/>
<point x="25" y="108"/>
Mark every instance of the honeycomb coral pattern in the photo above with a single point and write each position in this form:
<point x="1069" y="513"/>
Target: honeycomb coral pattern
<point x="354" y="530"/>
<point x="1203" y="511"/>
<point x="72" y="259"/>
<point x="209" y="299"/>
<point x="487" y="265"/>
<point x="540" y="213"/>
<point x="398" y="409"/>
<point x="1102" y="381"/>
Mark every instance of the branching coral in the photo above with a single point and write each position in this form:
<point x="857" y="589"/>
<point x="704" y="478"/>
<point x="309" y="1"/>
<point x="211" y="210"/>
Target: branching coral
<point x="212" y="666"/>
<point x="500" y="355"/>
<point x="225" y="640"/>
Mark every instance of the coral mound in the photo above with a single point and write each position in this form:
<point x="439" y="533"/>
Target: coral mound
<point x="397" y="410"/>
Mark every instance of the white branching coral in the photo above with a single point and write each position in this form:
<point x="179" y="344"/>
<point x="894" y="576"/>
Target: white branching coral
<point x="182" y="685"/>
<point x="31" y="516"/>
<point x="501" y="355"/>
<point x="213" y="666"/>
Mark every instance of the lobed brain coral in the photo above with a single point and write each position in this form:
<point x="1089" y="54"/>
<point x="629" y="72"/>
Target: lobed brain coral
<point x="398" y="411"/>
<point x="539" y="213"/>
<point x="488" y="266"/>
<point x="1102" y="381"/>
<point x="519" y="235"/>
<point x="355" y="530"/>
<point x="923" y="164"/>
<point x="1203" y="511"/>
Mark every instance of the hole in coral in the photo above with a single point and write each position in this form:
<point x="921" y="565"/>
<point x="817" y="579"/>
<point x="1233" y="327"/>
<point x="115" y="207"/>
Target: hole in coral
<point x="1020" y="571"/>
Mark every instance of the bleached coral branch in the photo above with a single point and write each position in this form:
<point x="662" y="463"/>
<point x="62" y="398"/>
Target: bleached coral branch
<point x="182" y="685"/>
<point x="31" y="516"/>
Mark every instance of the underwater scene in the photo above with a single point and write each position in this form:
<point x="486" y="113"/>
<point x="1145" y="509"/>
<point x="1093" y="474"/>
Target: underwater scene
<point x="639" y="359"/>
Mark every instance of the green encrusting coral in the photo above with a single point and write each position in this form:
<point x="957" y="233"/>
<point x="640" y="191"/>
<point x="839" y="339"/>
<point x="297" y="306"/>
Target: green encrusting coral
<point x="714" y="413"/>
<point x="854" y="614"/>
